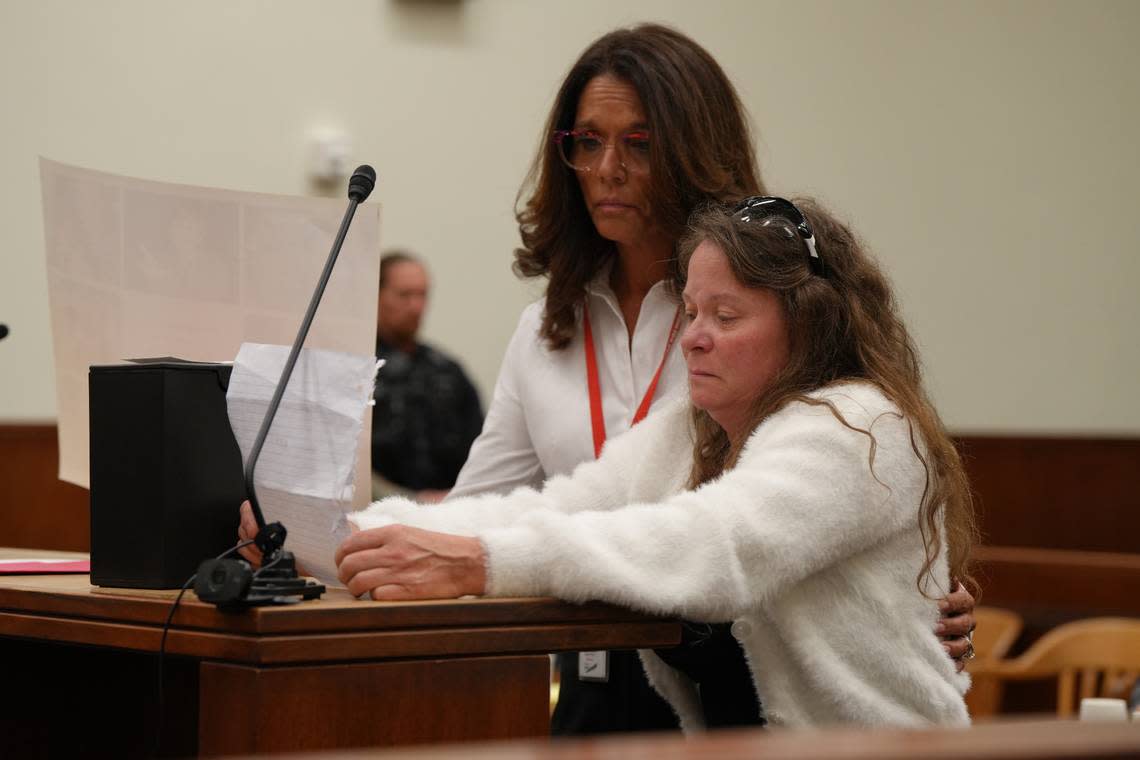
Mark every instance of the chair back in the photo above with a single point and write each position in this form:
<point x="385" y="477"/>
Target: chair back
<point x="1089" y="658"/>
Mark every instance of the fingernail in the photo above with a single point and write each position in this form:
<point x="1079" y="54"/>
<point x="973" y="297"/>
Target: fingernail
<point x="943" y="605"/>
<point x="940" y="629"/>
<point x="946" y="647"/>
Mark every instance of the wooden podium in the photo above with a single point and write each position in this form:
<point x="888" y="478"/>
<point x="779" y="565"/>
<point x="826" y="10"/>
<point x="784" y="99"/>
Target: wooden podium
<point x="81" y="670"/>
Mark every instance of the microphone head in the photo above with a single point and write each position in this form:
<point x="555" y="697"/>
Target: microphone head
<point x="3" y="332"/>
<point x="361" y="182"/>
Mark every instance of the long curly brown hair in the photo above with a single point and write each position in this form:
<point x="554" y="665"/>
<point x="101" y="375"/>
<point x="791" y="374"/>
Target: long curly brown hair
<point x="700" y="150"/>
<point x="842" y="326"/>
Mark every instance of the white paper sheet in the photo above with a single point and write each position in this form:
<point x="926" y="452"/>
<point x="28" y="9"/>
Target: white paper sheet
<point x="141" y="268"/>
<point x="305" y="472"/>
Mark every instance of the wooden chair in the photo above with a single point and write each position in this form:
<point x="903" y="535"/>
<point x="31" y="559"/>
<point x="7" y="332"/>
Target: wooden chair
<point x="997" y="630"/>
<point x="1089" y="658"/>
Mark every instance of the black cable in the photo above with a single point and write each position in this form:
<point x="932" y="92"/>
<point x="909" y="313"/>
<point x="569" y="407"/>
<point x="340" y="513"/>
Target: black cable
<point x="162" y="644"/>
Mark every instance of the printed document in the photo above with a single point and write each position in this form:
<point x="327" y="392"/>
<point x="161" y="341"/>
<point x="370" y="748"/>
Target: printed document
<point x="304" y="474"/>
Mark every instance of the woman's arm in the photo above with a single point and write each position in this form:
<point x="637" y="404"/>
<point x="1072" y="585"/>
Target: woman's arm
<point x="803" y="497"/>
<point x="599" y="485"/>
<point x="402" y="550"/>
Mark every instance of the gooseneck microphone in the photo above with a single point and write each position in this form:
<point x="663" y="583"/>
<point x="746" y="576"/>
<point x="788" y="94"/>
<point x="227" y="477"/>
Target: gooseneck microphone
<point x="232" y="583"/>
<point x="3" y="332"/>
<point x="271" y="537"/>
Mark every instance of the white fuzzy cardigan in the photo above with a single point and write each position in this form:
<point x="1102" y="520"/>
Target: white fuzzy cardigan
<point x="812" y="555"/>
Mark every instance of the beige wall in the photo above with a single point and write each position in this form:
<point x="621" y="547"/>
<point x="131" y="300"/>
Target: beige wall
<point x="986" y="150"/>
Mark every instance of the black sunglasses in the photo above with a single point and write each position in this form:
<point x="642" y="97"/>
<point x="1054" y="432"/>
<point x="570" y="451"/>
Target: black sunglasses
<point x="765" y="209"/>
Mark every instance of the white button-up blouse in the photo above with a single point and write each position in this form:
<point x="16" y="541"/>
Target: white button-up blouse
<point x="538" y="424"/>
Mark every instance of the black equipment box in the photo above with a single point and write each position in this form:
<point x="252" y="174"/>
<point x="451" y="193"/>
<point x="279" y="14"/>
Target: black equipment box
<point x="166" y="473"/>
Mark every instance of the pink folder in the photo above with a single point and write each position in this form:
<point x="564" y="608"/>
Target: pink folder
<point x="43" y="566"/>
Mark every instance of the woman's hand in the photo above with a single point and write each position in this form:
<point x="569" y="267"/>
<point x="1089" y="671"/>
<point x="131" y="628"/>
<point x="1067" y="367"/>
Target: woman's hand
<point x="398" y="562"/>
<point x="957" y="625"/>
<point x="247" y="530"/>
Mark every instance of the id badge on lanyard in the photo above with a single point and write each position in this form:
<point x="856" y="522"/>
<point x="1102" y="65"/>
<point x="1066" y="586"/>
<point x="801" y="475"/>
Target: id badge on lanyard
<point x="595" y="666"/>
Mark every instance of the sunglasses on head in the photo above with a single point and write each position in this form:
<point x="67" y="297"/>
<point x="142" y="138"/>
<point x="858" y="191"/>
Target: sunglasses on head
<point x="768" y="210"/>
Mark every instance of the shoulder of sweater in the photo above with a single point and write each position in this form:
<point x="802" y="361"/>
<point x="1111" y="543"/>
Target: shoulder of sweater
<point x="861" y="405"/>
<point x="856" y="400"/>
<point x="865" y="422"/>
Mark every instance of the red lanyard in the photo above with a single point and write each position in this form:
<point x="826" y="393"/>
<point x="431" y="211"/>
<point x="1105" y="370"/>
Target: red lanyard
<point x="597" y="418"/>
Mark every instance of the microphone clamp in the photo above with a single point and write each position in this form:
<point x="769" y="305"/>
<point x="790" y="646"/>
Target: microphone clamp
<point x="270" y="539"/>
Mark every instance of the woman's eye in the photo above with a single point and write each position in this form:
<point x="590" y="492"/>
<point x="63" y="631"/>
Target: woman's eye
<point x="725" y="318"/>
<point x="638" y="141"/>
<point x="587" y="143"/>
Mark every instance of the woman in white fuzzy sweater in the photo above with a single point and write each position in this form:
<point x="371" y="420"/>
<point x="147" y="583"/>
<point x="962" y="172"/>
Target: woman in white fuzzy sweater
<point x="806" y="492"/>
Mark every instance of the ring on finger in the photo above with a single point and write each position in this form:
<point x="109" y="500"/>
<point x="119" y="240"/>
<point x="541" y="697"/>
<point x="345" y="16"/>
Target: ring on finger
<point x="970" y="653"/>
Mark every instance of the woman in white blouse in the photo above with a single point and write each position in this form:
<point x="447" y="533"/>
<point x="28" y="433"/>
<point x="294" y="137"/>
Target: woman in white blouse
<point x="645" y="126"/>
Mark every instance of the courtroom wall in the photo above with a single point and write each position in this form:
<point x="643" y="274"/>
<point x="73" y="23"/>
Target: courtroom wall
<point x="986" y="150"/>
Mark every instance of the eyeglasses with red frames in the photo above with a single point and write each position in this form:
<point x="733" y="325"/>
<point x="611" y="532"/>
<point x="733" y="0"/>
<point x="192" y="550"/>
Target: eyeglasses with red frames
<point x="582" y="149"/>
<point x="768" y="211"/>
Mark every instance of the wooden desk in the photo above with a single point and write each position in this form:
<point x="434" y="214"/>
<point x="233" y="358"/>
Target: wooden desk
<point x="1035" y="739"/>
<point x="81" y="677"/>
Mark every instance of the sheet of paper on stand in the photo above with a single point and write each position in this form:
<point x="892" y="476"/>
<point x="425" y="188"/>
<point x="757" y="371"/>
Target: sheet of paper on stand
<point x="143" y="268"/>
<point x="304" y="475"/>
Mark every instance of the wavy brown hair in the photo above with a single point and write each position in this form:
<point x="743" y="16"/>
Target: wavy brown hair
<point x="843" y="326"/>
<point x="700" y="150"/>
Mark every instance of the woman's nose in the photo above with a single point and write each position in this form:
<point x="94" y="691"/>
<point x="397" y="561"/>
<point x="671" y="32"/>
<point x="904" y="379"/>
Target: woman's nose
<point x="694" y="337"/>
<point x="610" y="166"/>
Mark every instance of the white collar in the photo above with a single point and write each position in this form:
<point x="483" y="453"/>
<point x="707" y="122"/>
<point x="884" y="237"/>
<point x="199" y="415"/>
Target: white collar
<point x="599" y="286"/>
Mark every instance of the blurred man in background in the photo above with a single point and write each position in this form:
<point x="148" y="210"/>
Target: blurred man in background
<point x="427" y="411"/>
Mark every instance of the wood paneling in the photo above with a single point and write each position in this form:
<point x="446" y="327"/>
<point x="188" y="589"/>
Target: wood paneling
<point x="37" y="509"/>
<point x="258" y="710"/>
<point x="1056" y="493"/>
<point x="1058" y="584"/>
